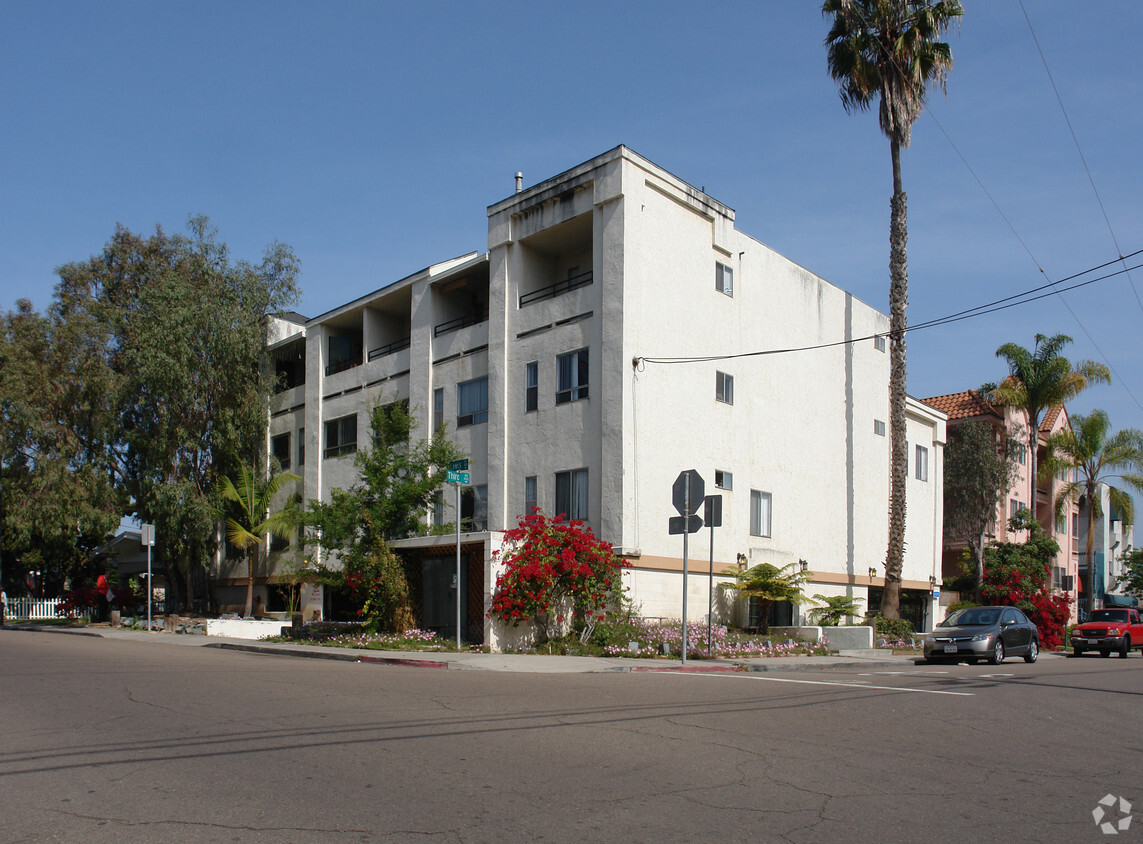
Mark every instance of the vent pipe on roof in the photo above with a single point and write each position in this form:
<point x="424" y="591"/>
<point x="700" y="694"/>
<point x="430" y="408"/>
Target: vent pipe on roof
<point x="519" y="181"/>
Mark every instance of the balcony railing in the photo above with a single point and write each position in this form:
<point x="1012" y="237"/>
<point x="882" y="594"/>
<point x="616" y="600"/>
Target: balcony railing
<point x="557" y="289"/>
<point x="389" y="348"/>
<point x="342" y="365"/>
<point x="459" y="323"/>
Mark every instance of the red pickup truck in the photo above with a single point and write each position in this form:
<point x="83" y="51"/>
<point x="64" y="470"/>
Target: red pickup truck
<point x="1117" y="630"/>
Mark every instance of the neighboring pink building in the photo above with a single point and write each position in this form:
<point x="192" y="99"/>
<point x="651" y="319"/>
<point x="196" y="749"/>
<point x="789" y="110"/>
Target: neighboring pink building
<point x="971" y="406"/>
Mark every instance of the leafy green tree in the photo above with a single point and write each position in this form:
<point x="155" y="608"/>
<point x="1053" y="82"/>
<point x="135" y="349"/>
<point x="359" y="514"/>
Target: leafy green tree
<point x="834" y="608"/>
<point x="1041" y="379"/>
<point x="1096" y="457"/>
<point x="979" y="467"/>
<point x="767" y="583"/>
<point x="889" y="50"/>
<point x="173" y="333"/>
<point x="398" y="481"/>
<point x="253" y="517"/>
<point x="1132" y="578"/>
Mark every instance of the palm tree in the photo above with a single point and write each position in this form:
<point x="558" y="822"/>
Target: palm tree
<point x="251" y="521"/>
<point x="1041" y="379"/>
<point x="888" y="49"/>
<point x="1096" y="457"/>
<point x="768" y="583"/>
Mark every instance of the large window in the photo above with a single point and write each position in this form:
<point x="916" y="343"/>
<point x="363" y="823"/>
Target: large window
<point x="301" y="446"/>
<point x="341" y="436"/>
<point x="472" y="402"/>
<point x="531" y="386"/>
<point x="723" y="278"/>
<point x="571" y="494"/>
<point x="572" y="376"/>
<point x="760" y="513"/>
<point x="724" y="387"/>
<point x="474" y="508"/>
<point x="280" y="449"/>
<point x="922" y="463"/>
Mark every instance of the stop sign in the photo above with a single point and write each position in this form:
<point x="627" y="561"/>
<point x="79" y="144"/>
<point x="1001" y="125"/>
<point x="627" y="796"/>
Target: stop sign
<point x="692" y="481"/>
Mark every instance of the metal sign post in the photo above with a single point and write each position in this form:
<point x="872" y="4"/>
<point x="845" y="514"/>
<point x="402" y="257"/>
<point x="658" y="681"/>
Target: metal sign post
<point x="147" y="538"/>
<point x="686" y="494"/>
<point x="458" y="475"/>
<point x="712" y="515"/>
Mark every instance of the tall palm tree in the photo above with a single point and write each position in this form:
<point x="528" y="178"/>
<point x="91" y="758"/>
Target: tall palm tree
<point x="1041" y="379"/>
<point x="889" y="49"/>
<point x="1097" y="458"/>
<point x="251" y="523"/>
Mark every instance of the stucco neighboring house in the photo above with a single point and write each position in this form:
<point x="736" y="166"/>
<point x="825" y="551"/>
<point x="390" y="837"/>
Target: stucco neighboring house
<point x="617" y="332"/>
<point x="1112" y="540"/>
<point x="971" y="406"/>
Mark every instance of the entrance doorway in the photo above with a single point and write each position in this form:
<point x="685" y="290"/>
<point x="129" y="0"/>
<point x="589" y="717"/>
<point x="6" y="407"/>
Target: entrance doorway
<point x="438" y="596"/>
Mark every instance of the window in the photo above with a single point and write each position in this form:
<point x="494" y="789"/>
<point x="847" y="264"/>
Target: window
<point x="301" y="446"/>
<point x="1013" y="508"/>
<point x="474" y="508"/>
<point x="1022" y="455"/>
<point x="1075" y="524"/>
<point x="879" y="427"/>
<point x="879" y="342"/>
<point x="529" y="495"/>
<point x="438" y="508"/>
<point x="341" y="436"/>
<point x="723" y="278"/>
<point x="572" y="376"/>
<point x="724" y="387"/>
<point x="280" y="450"/>
<point x="531" y="386"/>
<point x="723" y="480"/>
<point x="472" y="402"/>
<point x="571" y="494"/>
<point x="922" y="463"/>
<point x="1062" y="525"/>
<point x="760" y="504"/>
<point x="438" y="409"/>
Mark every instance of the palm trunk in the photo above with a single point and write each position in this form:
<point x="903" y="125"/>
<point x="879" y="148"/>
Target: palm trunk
<point x="1090" y="544"/>
<point x="250" y="584"/>
<point x="1033" y="446"/>
<point x="898" y="299"/>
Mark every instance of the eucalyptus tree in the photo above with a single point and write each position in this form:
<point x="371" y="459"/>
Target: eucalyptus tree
<point x="890" y="51"/>
<point x="1096" y="456"/>
<point x="1038" y="380"/>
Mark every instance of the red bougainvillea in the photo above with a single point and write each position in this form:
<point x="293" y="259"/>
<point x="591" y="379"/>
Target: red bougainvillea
<point x="554" y="568"/>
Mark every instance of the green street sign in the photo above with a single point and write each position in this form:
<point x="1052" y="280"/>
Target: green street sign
<point x="457" y="477"/>
<point x="459" y="466"/>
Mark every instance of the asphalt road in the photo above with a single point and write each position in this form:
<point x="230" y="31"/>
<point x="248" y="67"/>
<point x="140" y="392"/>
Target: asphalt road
<point x="123" y="741"/>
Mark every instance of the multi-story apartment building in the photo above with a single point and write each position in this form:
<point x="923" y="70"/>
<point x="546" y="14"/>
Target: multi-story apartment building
<point x="971" y="406"/>
<point x="618" y="331"/>
<point x="1112" y="540"/>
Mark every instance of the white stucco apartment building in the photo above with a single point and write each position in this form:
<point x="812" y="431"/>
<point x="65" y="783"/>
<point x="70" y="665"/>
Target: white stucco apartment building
<point x="618" y="331"/>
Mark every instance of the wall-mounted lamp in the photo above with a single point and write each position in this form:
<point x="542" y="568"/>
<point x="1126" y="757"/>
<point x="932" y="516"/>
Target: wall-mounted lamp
<point x="805" y="566"/>
<point x="932" y="582"/>
<point x="741" y="560"/>
<point x="872" y="572"/>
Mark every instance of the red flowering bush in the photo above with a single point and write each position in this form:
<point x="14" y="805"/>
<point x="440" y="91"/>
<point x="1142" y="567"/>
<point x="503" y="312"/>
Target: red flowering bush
<point x="555" y="571"/>
<point x="1018" y="574"/>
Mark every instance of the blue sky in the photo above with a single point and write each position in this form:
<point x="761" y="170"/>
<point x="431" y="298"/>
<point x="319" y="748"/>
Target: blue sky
<point x="371" y="137"/>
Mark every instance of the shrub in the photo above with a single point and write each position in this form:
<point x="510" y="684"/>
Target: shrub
<point x="890" y="628"/>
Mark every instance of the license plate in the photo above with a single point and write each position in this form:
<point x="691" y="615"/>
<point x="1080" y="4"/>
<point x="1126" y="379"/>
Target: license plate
<point x="1083" y="642"/>
<point x="950" y="649"/>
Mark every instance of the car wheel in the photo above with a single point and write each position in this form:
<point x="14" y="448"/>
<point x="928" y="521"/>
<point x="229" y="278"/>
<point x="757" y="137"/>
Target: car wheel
<point x="1076" y="651"/>
<point x="998" y="653"/>
<point x="1033" y="652"/>
<point x="1125" y="648"/>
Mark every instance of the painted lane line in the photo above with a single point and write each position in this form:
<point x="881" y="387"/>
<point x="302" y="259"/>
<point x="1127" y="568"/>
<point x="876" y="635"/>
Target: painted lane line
<point x="831" y="683"/>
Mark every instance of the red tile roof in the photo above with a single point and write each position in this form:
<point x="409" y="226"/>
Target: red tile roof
<point x="964" y="405"/>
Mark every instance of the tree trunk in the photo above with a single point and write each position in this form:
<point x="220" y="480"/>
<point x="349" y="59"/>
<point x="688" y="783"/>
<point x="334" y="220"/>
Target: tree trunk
<point x="898" y="445"/>
<point x="250" y="552"/>
<point x="1033" y="446"/>
<point x="978" y="554"/>
<point x="1088" y="553"/>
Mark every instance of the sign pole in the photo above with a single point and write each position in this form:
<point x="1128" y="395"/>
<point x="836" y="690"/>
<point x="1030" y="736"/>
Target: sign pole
<point x="458" y="567"/>
<point x="686" y="537"/>
<point x="710" y="597"/>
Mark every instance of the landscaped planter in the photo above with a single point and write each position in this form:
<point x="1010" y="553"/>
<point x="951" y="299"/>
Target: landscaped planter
<point x="244" y="628"/>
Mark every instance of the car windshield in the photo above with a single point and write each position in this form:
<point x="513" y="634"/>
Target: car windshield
<point x="1108" y="615"/>
<point x="972" y="617"/>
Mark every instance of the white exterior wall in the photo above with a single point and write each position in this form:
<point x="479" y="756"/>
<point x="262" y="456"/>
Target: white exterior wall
<point x="801" y="426"/>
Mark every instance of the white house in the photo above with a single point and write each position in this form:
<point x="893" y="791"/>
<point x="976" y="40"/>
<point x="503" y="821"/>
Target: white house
<point x="618" y="331"/>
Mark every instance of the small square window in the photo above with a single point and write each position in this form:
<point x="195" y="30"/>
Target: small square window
<point x="723" y="480"/>
<point x="572" y="376"/>
<point x="879" y="342"/>
<point x="922" y="463"/>
<point x="879" y="427"/>
<point x="531" y="386"/>
<point x="723" y="278"/>
<point x="724" y="387"/>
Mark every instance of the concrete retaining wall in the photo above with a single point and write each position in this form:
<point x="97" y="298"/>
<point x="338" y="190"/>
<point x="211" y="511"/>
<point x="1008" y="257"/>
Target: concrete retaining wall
<point x="241" y="628"/>
<point x="859" y="637"/>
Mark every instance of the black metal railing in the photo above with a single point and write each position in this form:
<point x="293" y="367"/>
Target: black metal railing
<point x="459" y="323"/>
<point x="557" y="289"/>
<point x="342" y="365"/>
<point x="389" y="348"/>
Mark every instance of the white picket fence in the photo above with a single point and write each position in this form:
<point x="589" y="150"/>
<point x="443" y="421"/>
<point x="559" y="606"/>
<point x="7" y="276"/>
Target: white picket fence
<point x="32" y="609"/>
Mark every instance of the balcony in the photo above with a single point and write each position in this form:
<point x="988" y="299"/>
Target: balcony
<point x="389" y="348"/>
<point x="460" y="322"/>
<point x="558" y="289"/>
<point x="342" y="365"/>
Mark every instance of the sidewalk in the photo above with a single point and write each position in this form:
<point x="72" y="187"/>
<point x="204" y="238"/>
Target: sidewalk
<point x="469" y="661"/>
